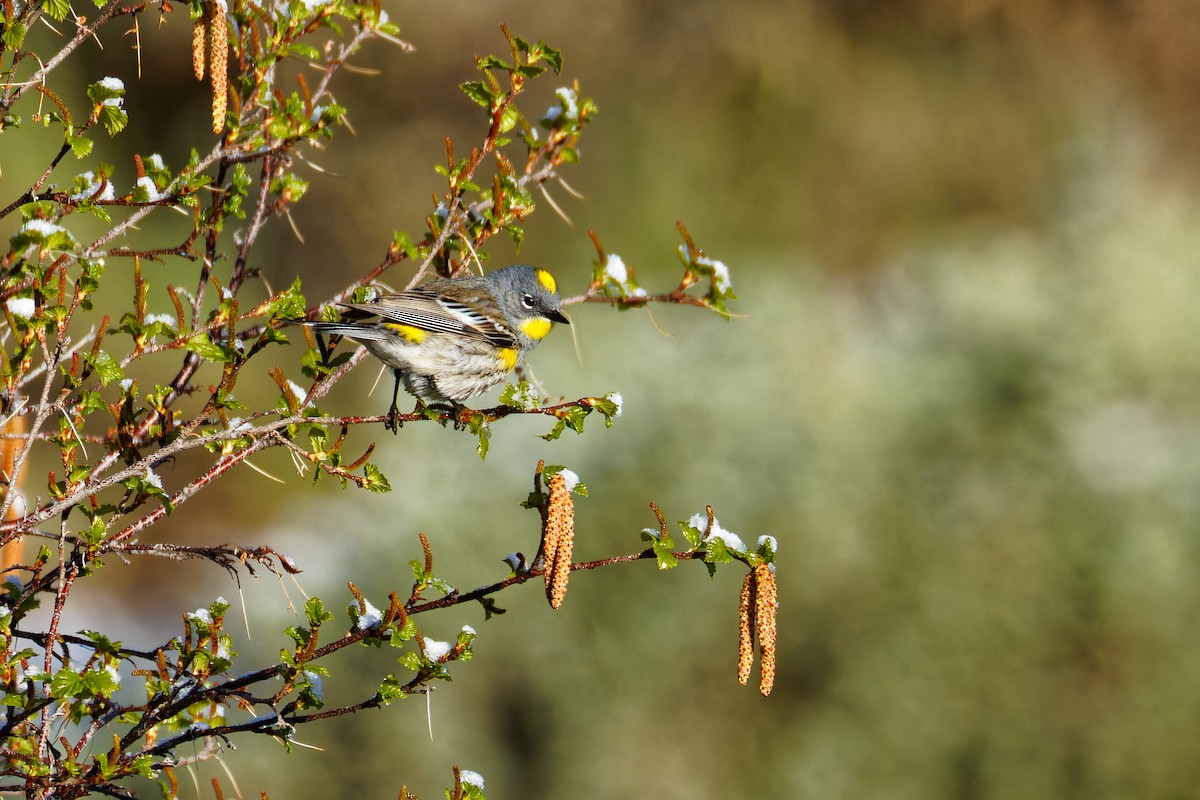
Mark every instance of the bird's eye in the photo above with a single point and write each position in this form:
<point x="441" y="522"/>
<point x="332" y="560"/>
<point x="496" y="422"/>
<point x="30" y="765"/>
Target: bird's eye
<point x="527" y="301"/>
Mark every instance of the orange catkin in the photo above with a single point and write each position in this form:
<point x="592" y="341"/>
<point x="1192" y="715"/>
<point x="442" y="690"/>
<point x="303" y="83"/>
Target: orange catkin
<point x="766" y="611"/>
<point x="218" y="62"/>
<point x="199" y="37"/>
<point x="746" y="629"/>
<point x="558" y="538"/>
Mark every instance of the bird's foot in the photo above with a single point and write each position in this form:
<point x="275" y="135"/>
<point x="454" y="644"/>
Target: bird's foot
<point x="455" y="411"/>
<point x="393" y="422"/>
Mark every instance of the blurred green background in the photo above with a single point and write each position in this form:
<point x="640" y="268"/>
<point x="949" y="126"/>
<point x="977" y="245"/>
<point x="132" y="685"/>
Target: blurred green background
<point x="963" y="398"/>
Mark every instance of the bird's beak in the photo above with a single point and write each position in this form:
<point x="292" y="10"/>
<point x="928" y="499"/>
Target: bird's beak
<point x="558" y="316"/>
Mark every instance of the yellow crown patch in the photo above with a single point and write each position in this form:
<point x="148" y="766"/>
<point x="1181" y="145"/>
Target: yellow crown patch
<point x="547" y="280"/>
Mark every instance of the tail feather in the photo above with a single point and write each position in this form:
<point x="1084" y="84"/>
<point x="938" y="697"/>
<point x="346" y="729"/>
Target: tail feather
<point x="350" y="329"/>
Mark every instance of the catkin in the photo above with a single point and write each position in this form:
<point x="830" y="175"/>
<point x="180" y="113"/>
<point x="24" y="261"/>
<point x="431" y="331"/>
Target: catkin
<point x="558" y="538"/>
<point x="766" y="611"/>
<point x="218" y="61"/>
<point x="199" y="35"/>
<point x="746" y="629"/>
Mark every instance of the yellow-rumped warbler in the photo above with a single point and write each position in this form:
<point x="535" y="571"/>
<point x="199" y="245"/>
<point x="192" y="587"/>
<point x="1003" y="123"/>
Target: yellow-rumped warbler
<point x="455" y="338"/>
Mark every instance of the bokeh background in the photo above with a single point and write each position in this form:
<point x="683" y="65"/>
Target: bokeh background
<point x="963" y="396"/>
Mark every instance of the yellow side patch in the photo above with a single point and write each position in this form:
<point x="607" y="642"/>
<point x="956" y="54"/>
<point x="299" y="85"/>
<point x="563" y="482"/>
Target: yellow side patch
<point x="508" y="357"/>
<point x="407" y="332"/>
<point x="547" y="280"/>
<point x="536" y="328"/>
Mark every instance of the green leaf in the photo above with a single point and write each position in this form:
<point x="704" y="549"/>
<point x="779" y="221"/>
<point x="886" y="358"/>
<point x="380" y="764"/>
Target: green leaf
<point x="107" y="89"/>
<point x="41" y="232"/>
<point x="552" y="57"/>
<point x="113" y="118"/>
<point x="390" y="689"/>
<point x="316" y="612"/>
<point x="288" y="304"/>
<point x="204" y="347"/>
<point x="107" y="368"/>
<point x="556" y="431"/>
<point x="374" y="480"/>
<point x="479" y="92"/>
<point x="520" y="396"/>
<point x="490" y="608"/>
<point x="693" y="535"/>
<point x="305" y="51"/>
<point x="67" y="683"/>
<point x="402" y="241"/>
<point x="14" y="35"/>
<point x="492" y="62"/>
<point x="142" y="765"/>
<point x="81" y="145"/>
<point x="715" y="551"/>
<point x="574" y="417"/>
<point x="550" y="470"/>
<point x="609" y="406"/>
<point x="766" y="548"/>
<point x="662" y="553"/>
<point x="508" y="120"/>
<point x="484" y="432"/>
<point x="94" y="533"/>
<point x="57" y="9"/>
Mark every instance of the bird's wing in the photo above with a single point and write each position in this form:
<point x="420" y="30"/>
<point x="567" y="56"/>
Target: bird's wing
<point x="429" y="311"/>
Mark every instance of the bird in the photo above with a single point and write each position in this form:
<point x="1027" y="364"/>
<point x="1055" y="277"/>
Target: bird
<point x="452" y="339"/>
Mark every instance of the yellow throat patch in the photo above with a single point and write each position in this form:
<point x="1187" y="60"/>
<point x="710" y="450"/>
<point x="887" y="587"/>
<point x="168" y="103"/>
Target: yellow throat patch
<point x="536" y="327"/>
<point x="547" y="280"/>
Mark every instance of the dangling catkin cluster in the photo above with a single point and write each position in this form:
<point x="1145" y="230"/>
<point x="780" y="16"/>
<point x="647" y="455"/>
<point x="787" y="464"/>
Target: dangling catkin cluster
<point x="558" y="538"/>
<point x="199" y="42"/>
<point x="746" y="629"/>
<point x="11" y="448"/>
<point x="758" y="609"/>
<point x="211" y="33"/>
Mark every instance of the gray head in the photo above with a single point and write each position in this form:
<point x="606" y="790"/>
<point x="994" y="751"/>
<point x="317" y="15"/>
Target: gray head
<point x="529" y="297"/>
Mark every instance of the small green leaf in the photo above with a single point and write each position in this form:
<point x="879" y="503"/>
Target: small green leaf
<point x="662" y="553"/>
<point x="520" y="396"/>
<point x="577" y="486"/>
<point x="81" y="145"/>
<point x="479" y="92"/>
<point x="492" y="62"/>
<point x="288" y="304"/>
<point x="107" y="368"/>
<point x="204" y="347"/>
<point x="715" y="551"/>
<point x="306" y="51"/>
<point x="14" y="35"/>
<point x="574" y="417"/>
<point x="402" y="241"/>
<point x="316" y="612"/>
<point x="693" y="535"/>
<point x="556" y="431"/>
<point x="508" y="120"/>
<point x="391" y="689"/>
<point x="57" y="9"/>
<point x="67" y="683"/>
<point x="609" y="406"/>
<point x="485" y="437"/>
<point x="374" y="480"/>
<point x="113" y="118"/>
